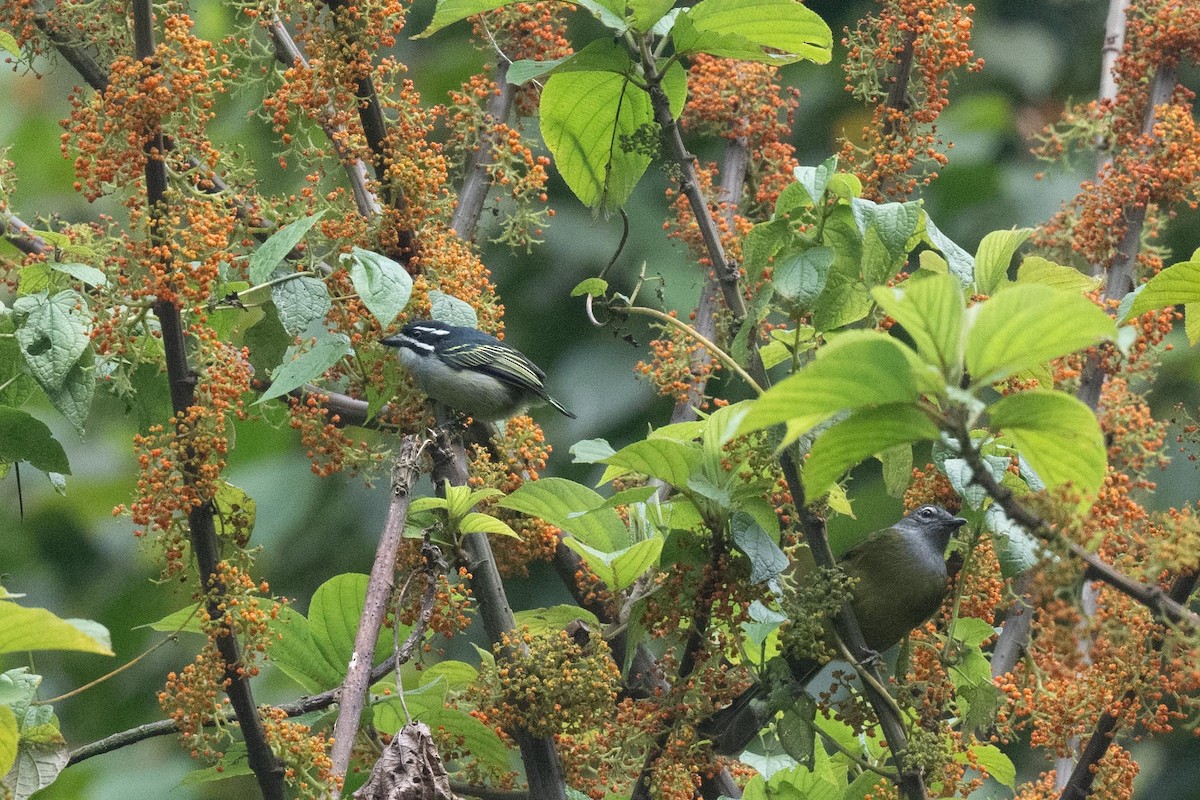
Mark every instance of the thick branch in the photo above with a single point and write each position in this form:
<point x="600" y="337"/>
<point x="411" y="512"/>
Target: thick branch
<point x="478" y="179"/>
<point x="379" y="591"/>
<point x="22" y="236"/>
<point x="205" y="546"/>
<point x="542" y="767"/>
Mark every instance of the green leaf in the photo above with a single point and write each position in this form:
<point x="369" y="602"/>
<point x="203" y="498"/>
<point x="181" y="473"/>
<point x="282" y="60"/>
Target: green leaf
<point x="995" y="253"/>
<point x="236" y="513"/>
<point x="1191" y="322"/>
<point x="766" y="559"/>
<point x="449" y="309"/>
<point x="856" y="370"/>
<point x="995" y="763"/>
<point x="333" y="617"/>
<point x="800" y="277"/>
<point x="1016" y="549"/>
<point x="1035" y="269"/>
<point x="475" y="522"/>
<point x="631" y="563"/>
<point x="886" y="230"/>
<point x="301" y="301"/>
<point x="591" y="451"/>
<point x="52" y="333"/>
<point x="814" y="180"/>
<point x="297" y="655"/>
<point x="1175" y="285"/>
<point x="524" y="70"/>
<point x="1025" y="326"/>
<point x="23" y="629"/>
<point x="268" y="255"/>
<point x="8" y="739"/>
<point x="611" y="13"/>
<point x="643" y="14"/>
<point x="303" y="365"/>
<point x="897" y="465"/>
<point x="592" y="287"/>
<point x="618" y="570"/>
<point x="382" y="284"/>
<point x="675" y="85"/>
<point x="555" y="618"/>
<point x="185" y="620"/>
<point x="478" y="740"/>
<point x="8" y="43"/>
<point x="668" y="460"/>
<point x="863" y="434"/>
<point x="558" y="501"/>
<point x="82" y="272"/>
<point x="752" y="30"/>
<point x="73" y="397"/>
<point x="960" y="262"/>
<point x="585" y="118"/>
<point x="932" y="313"/>
<point x="972" y="631"/>
<point x="453" y="674"/>
<point x="23" y="437"/>
<point x="1057" y="434"/>
<point x="448" y="12"/>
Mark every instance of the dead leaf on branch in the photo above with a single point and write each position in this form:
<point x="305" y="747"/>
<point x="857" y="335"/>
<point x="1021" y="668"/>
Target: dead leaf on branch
<point x="409" y="769"/>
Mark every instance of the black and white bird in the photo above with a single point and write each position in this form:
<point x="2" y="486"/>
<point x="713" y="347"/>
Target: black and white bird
<point x="470" y="371"/>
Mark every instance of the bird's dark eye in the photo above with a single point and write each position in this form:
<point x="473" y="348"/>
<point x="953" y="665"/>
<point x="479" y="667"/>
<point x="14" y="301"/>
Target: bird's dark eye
<point x="925" y="512"/>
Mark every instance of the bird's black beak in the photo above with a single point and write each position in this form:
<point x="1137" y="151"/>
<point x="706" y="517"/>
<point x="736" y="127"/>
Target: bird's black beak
<point x="958" y="522"/>
<point x="397" y="340"/>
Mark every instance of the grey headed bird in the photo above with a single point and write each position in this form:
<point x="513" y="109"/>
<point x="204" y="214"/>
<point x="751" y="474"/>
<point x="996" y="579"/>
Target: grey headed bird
<point x="470" y="371"/>
<point x="899" y="581"/>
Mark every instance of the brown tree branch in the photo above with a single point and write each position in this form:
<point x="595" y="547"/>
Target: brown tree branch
<point x="477" y="176"/>
<point x="405" y="470"/>
<point x="22" y="236"/>
<point x="202" y="530"/>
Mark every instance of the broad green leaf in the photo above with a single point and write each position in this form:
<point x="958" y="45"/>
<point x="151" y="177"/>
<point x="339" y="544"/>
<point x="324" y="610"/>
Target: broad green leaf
<point x="753" y="30"/>
<point x="300" y="302"/>
<point x="886" y="229"/>
<point x="972" y="631"/>
<point x="977" y="697"/>
<point x="8" y="739"/>
<point x="855" y="370"/>
<point x="24" y="437"/>
<point x="8" y="43"/>
<point x="42" y="753"/>
<point x="557" y="501"/>
<point x="763" y="623"/>
<point x="236" y="513"/>
<point x="814" y="180"/>
<point x="1035" y="269"/>
<point x="897" y="465"/>
<point x="619" y="570"/>
<point x="333" y="617"/>
<point x="52" y="333"/>
<point x="301" y="365"/>
<point x="448" y="12"/>
<point x="863" y="434"/>
<point x="478" y="740"/>
<point x="668" y="460"/>
<point x="17" y="383"/>
<point x="449" y="309"/>
<point x="268" y="255"/>
<point x="382" y="284"/>
<point x="1175" y="285"/>
<point x="297" y="655"/>
<point x="453" y="674"/>
<point x="38" y="277"/>
<point x="592" y="287"/>
<point x="1025" y="326"/>
<point x="795" y="729"/>
<point x="643" y="14"/>
<point x="995" y="253"/>
<point x="1057" y="434"/>
<point x="185" y="620"/>
<point x="73" y="397"/>
<point x="555" y="618"/>
<point x="23" y="629"/>
<point x="591" y="451"/>
<point x="82" y="272"/>
<point x="589" y="121"/>
<point x="674" y="84"/>
<point x="960" y="262"/>
<point x="1191" y="322"/>
<point x="800" y="277"/>
<point x="234" y="764"/>
<point x="476" y="522"/>
<point x="766" y="559"/>
<point x="993" y="760"/>
<point x="931" y="312"/>
<point x="631" y="563"/>
<point x="524" y="70"/>
<point x="1016" y="549"/>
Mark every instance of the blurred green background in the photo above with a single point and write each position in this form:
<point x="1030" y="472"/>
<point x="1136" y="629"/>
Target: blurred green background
<point x="72" y="556"/>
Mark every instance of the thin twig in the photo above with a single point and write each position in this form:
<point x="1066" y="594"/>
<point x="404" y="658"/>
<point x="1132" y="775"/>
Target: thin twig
<point x="379" y="591"/>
